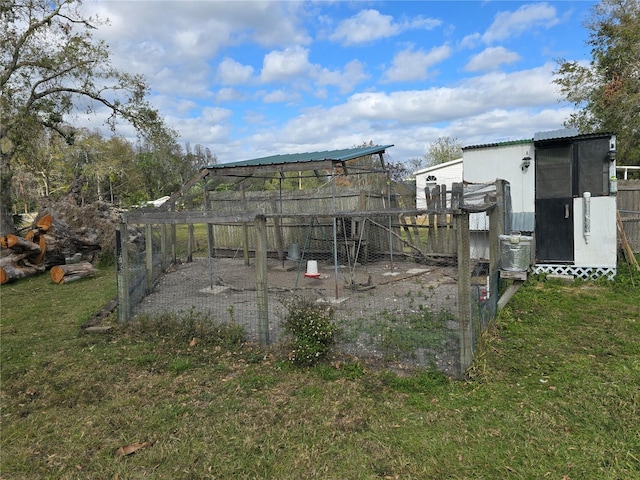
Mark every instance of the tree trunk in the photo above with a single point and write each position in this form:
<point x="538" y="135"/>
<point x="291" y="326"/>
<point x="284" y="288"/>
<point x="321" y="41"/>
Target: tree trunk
<point x="6" y="202"/>
<point x="69" y="273"/>
<point x="13" y="272"/>
<point x="19" y="245"/>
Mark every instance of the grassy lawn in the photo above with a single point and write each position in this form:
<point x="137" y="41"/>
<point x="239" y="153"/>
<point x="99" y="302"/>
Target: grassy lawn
<point x="555" y="393"/>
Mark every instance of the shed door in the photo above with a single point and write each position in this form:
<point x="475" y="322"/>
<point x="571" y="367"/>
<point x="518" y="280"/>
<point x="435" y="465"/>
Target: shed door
<point x="554" y="205"/>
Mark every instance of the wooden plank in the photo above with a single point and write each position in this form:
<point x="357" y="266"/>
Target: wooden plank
<point x="509" y="293"/>
<point x="628" y="251"/>
<point x="513" y="275"/>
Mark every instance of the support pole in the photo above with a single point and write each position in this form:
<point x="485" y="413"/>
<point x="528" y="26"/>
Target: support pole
<point x="122" y="258"/>
<point x="496" y="228"/>
<point x="245" y="230"/>
<point x="464" y="291"/>
<point x="163" y="246"/>
<point x="207" y="207"/>
<point x="335" y="233"/>
<point x="261" y="279"/>
<point x="148" y="242"/>
<point x="190" y="243"/>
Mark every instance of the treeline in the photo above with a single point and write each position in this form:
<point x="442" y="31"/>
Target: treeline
<point x="112" y="170"/>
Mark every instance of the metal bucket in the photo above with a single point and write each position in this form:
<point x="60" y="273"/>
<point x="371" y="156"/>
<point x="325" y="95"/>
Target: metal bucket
<point x="515" y="252"/>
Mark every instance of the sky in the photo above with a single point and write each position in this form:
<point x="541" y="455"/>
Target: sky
<point x="258" y="78"/>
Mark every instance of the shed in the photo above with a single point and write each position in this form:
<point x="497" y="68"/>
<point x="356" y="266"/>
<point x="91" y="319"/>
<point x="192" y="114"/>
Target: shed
<point x="563" y="193"/>
<point x="446" y="173"/>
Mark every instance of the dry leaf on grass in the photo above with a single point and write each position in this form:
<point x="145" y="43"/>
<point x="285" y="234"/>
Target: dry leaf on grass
<point x="132" y="448"/>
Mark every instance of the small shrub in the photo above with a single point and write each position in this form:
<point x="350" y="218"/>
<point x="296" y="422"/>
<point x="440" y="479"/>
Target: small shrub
<point x="311" y="331"/>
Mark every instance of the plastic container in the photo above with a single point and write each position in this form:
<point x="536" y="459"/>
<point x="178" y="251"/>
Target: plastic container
<point x="515" y="252"/>
<point x="293" y="252"/>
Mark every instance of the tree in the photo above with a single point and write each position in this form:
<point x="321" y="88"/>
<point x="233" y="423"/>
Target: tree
<point x="606" y="92"/>
<point x="444" y="149"/>
<point x="49" y="61"/>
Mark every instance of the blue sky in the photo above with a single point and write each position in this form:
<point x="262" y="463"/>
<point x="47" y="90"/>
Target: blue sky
<point x="250" y="79"/>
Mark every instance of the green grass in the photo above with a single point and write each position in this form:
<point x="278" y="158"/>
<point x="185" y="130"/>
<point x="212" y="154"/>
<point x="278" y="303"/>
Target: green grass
<point x="554" y="393"/>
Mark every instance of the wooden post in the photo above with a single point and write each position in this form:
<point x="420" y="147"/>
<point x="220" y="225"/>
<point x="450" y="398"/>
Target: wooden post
<point x="163" y="246"/>
<point x="210" y="236"/>
<point x="261" y="279"/>
<point x="148" y="237"/>
<point x="245" y="231"/>
<point x="174" y="243"/>
<point x="277" y="230"/>
<point x="190" y="242"/>
<point x="122" y="258"/>
<point x="464" y="291"/>
<point x="496" y="228"/>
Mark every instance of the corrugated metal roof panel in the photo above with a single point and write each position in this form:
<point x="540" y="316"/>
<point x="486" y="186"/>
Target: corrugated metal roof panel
<point x="438" y="166"/>
<point x="555" y="134"/>
<point x="336" y="155"/>
<point x="499" y="144"/>
<point x="568" y="133"/>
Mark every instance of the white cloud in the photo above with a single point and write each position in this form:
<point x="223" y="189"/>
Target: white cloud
<point x="513" y="24"/>
<point x="365" y="26"/>
<point x="228" y="94"/>
<point x="369" y="25"/>
<point x="352" y="74"/>
<point x="490" y="59"/>
<point x="280" y="96"/>
<point x="410" y="65"/>
<point x="284" y="65"/>
<point x="528" y="88"/>
<point x="230" y="72"/>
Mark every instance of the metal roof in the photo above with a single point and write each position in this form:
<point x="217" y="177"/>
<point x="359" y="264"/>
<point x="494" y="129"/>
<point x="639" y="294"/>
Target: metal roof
<point x="438" y="166"/>
<point x="296" y="161"/>
<point x="555" y="134"/>
<point x="568" y="133"/>
<point x="499" y="144"/>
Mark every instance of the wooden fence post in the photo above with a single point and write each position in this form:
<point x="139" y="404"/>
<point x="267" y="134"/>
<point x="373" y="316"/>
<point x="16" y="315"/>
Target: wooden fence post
<point x="190" y="243"/>
<point x="496" y="228"/>
<point x="163" y="246"/>
<point x="148" y="246"/>
<point x="261" y="279"/>
<point x="464" y="291"/>
<point x="122" y="261"/>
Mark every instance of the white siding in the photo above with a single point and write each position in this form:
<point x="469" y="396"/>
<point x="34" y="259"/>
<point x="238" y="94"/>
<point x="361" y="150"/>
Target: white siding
<point x="446" y="174"/>
<point x="600" y="249"/>
<point x="482" y="165"/>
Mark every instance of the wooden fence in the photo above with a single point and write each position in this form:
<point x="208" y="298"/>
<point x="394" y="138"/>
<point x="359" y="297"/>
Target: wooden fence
<point x="147" y="246"/>
<point x="628" y="203"/>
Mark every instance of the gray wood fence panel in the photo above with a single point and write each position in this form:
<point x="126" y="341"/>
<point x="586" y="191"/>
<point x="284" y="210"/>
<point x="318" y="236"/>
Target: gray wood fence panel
<point x="628" y="203"/>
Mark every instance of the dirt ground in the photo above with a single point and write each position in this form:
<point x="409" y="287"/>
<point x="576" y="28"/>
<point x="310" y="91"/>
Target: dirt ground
<point x="225" y="290"/>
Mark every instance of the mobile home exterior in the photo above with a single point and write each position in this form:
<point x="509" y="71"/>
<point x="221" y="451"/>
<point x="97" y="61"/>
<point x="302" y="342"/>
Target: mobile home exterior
<point x="446" y="173"/>
<point x="563" y="193"/>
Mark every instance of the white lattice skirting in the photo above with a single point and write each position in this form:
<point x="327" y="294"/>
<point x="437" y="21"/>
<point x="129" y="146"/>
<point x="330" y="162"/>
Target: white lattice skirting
<point x="586" y="273"/>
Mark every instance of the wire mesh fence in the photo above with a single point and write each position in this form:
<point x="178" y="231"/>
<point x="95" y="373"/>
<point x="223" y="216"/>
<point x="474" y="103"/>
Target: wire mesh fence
<point x="391" y="278"/>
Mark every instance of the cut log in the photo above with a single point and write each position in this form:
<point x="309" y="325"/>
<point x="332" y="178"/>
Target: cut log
<point x="10" y="272"/>
<point x="45" y="222"/>
<point x="19" y="244"/>
<point x="69" y="273"/>
<point x="13" y="259"/>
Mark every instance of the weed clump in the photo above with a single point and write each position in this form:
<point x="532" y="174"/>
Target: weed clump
<point x="183" y="328"/>
<point x="311" y="331"/>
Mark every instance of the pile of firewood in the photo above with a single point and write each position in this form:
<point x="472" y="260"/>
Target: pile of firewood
<point x="48" y="243"/>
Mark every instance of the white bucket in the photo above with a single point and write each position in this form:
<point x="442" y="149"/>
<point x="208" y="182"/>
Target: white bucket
<point x="312" y="269"/>
<point x="294" y="252"/>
